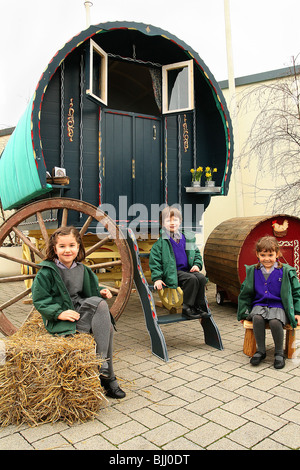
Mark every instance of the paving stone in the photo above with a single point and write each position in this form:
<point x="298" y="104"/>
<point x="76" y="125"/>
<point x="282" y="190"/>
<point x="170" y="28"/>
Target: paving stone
<point x="95" y="443"/>
<point x="240" y="405"/>
<point x="265" y="419"/>
<point x="269" y="444"/>
<point x="138" y="443"/>
<point x="276" y="406"/>
<point x="186" y="418"/>
<point x="250" y="434"/>
<point x="83" y="431"/>
<point x="165" y="433"/>
<point x="14" y="442"/>
<point x="54" y="442"/>
<point x="182" y="444"/>
<point x="124" y="432"/>
<point x="207" y="434"/>
<point x="288" y="435"/>
<point x="229" y="420"/>
<point x="225" y="444"/>
<point x="32" y="434"/>
<point x="149" y="418"/>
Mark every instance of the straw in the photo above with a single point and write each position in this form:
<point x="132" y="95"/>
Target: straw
<point x="49" y="378"/>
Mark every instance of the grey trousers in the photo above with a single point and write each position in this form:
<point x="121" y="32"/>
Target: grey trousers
<point x="95" y="318"/>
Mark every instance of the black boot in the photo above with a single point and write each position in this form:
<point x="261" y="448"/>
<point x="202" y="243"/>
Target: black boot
<point x="112" y="387"/>
<point x="189" y="312"/>
<point x="203" y="313"/>
<point x="279" y="361"/>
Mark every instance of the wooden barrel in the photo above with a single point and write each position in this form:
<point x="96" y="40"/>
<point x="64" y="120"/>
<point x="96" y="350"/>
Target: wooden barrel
<point x="231" y="246"/>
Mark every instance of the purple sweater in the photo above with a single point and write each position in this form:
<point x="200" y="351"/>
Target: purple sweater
<point x="267" y="292"/>
<point x="180" y="254"/>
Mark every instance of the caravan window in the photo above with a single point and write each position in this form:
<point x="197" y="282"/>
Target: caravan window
<point x="97" y="73"/>
<point x="178" y="87"/>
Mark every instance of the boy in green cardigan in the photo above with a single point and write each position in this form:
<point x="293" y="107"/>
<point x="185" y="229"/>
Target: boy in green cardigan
<point x="176" y="261"/>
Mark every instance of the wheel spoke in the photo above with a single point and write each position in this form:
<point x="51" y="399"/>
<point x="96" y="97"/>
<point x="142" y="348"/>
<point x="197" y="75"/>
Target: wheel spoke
<point x="64" y="219"/>
<point x="15" y="299"/>
<point x="97" y="245"/>
<point x="23" y="277"/>
<point x="86" y="225"/>
<point x="18" y="260"/>
<point x="42" y="227"/>
<point x="6" y="327"/>
<point x="27" y="242"/>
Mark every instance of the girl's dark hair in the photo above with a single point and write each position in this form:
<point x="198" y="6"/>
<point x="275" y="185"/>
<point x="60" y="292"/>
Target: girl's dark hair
<point x="62" y="231"/>
<point x="268" y="243"/>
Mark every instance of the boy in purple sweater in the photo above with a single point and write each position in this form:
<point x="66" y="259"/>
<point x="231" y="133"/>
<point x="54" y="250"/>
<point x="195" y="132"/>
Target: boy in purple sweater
<point x="176" y="261"/>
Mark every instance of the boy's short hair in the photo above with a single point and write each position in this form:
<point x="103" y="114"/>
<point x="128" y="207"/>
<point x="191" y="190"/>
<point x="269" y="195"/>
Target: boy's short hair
<point x="170" y="211"/>
<point x="267" y="243"/>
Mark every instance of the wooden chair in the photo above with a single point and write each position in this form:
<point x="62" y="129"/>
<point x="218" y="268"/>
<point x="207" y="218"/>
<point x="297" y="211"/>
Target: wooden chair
<point x="250" y="343"/>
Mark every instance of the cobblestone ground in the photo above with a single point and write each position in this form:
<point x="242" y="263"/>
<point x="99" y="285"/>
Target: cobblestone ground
<point x="202" y="398"/>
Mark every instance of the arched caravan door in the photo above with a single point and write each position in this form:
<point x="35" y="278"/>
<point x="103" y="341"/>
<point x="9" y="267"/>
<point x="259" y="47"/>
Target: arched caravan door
<point x="131" y="153"/>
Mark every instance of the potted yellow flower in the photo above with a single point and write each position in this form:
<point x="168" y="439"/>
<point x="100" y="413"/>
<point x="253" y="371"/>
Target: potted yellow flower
<point x="196" y="175"/>
<point x="209" y="175"/>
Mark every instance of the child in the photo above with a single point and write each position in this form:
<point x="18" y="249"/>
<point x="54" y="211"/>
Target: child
<point x="67" y="295"/>
<point x="270" y="292"/>
<point x="176" y="261"/>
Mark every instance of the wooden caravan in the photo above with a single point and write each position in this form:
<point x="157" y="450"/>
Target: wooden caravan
<point x="120" y="116"/>
<point x="125" y="109"/>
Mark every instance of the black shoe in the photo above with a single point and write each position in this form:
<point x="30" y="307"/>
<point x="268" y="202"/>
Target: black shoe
<point x="190" y="312"/>
<point x="257" y="358"/>
<point x="279" y="361"/>
<point x="203" y="313"/>
<point x="112" y="387"/>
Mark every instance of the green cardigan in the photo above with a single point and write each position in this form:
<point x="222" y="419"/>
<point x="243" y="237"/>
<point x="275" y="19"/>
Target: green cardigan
<point x="50" y="296"/>
<point x="290" y="293"/>
<point x="162" y="260"/>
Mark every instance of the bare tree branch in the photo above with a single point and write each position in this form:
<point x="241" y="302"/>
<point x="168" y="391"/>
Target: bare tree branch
<point x="273" y="142"/>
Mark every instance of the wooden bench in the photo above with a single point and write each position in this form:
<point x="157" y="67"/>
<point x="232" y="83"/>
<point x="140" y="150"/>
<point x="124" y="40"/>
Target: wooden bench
<point x="250" y="343"/>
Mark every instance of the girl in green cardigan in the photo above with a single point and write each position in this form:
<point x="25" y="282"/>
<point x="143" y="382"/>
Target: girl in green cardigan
<point x="270" y="293"/>
<point x="67" y="295"/>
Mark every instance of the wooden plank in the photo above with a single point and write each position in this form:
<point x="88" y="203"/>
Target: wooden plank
<point x="109" y="264"/>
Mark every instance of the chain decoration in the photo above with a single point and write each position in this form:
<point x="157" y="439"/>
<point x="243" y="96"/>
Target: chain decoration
<point x="62" y="112"/>
<point x="81" y="131"/>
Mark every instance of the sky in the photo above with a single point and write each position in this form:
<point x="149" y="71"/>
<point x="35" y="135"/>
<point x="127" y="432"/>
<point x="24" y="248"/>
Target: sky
<point x="265" y="36"/>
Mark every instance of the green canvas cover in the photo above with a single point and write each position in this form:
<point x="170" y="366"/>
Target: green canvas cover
<point x="19" y="178"/>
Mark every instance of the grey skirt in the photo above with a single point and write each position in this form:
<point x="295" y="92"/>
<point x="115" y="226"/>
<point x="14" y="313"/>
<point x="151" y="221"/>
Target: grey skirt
<point x="269" y="313"/>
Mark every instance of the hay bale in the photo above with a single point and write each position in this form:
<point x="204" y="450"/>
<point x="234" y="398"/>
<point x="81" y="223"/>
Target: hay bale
<point x="48" y="378"/>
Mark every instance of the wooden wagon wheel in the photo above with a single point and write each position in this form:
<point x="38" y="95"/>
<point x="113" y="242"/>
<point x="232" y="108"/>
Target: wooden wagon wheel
<point x="171" y="298"/>
<point x="10" y="226"/>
